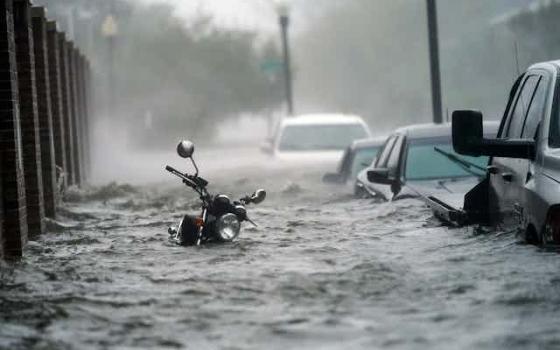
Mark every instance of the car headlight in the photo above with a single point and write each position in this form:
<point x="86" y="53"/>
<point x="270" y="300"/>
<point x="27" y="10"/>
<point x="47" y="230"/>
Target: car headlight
<point x="228" y="227"/>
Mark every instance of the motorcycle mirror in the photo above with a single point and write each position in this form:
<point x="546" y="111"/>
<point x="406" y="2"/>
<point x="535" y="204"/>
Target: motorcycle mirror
<point x="258" y="196"/>
<point x="185" y="149"/>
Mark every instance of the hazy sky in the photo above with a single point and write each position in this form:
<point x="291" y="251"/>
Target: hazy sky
<point x="252" y="14"/>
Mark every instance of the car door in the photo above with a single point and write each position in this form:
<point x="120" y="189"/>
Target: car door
<point x="530" y="205"/>
<point x="383" y="190"/>
<point x="508" y="176"/>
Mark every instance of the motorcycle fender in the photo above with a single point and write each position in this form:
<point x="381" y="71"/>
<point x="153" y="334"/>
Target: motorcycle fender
<point x="188" y="231"/>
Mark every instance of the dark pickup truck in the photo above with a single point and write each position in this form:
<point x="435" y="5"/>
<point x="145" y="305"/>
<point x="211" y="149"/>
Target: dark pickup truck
<point x="521" y="190"/>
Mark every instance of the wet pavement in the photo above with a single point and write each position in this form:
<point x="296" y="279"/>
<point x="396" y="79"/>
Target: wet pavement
<point x="321" y="271"/>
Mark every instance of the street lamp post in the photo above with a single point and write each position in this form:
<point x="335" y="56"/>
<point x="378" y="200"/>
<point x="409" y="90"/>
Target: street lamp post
<point x="110" y="31"/>
<point x="284" y="18"/>
<point x="434" y="61"/>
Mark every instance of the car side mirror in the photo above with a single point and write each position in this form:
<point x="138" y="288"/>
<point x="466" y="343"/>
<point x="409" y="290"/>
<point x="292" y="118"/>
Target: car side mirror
<point x="468" y="139"/>
<point x="332" y="178"/>
<point x="466" y="129"/>
<point x="380" y="176"/>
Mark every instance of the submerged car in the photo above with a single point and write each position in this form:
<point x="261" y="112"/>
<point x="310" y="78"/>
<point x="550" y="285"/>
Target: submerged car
<point x="521" y="190"/>
<point x="356" y="157"/>
<point x="316" y="138"/>
<point x="419" y="161"/>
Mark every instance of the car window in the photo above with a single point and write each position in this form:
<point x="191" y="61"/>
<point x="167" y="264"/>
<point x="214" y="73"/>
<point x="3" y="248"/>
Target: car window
<point x="393" y="162"/>
<point x="554" y="131"/>
<point x="423" y="162"/>
<point x="511" y="99"/>
<point x="385" y="152"/>
<point x="363" y="158"/>
<point x="536" y="110"/>
<point x="517" y="118"/>
<point x="320" y="137"/>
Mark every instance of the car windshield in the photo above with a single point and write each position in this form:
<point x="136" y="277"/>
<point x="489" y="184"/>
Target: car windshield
<point x="423" y="162"/>
<point x="320" y="137"/>
<point x="363" y="158"/>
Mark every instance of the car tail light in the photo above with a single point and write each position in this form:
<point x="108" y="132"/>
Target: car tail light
<point x="552" y="226"/>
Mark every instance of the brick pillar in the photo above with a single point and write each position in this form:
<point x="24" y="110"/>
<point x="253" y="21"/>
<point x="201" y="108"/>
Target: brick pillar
<point x="59" y="131"/>
<point x="83" y="113"/>
<point x="76" y="122"/>
<point x="29" y="118"/>
<point x="67" y="107"/>
<point x="14" y="230"/>
<point x="44" y="109"/>
<point x="87" y="113"/>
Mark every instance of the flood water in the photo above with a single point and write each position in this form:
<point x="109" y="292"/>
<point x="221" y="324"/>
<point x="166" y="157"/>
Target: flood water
<point x="321" y="271"/>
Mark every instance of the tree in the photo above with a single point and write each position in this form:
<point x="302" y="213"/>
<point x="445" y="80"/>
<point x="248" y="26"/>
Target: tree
<point x="175" y="79"/>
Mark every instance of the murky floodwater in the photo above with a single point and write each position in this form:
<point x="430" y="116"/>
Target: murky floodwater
<point x="322" y="271"/>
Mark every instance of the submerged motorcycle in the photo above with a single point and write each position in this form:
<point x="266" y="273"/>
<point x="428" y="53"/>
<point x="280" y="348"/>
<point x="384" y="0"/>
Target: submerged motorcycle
<point x="220" y="219"/>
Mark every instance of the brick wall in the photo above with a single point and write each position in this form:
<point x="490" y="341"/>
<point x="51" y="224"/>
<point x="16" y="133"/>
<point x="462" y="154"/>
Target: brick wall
<point x="14" y="230"/>
<point x="29" y="117"/>
<point x="44" y="109"/>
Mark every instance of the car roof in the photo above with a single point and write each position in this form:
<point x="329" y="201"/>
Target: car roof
<point x="546" y="65"/>
<point x="425" y="130"/>
<point x="366" y="143"/>
<point x="322" y="119"/>
<point x="430" y="130"/>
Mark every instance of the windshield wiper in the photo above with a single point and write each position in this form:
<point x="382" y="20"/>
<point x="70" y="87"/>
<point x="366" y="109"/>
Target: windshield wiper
<point x="465" y="164"/>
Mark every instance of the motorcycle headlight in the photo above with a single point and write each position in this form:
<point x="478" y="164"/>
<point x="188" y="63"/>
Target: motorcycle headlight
<point x="228" y="227"/>
<point x="221" y="200"/>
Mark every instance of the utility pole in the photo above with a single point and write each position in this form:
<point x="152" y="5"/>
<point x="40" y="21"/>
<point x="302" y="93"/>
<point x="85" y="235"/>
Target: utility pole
<point x="284" y="26"/>
<point x="434" y="61"/>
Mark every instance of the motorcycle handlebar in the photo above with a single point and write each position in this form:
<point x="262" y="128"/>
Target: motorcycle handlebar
<point x="187" y="179"/>
<point x="170" y="169"/>
<point x="176" y="172"/>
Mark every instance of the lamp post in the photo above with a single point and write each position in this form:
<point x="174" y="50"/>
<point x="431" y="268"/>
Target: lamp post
<point x="284" y="19"/>
<point x="110" y="30"/>
<point x="434" y="61"/>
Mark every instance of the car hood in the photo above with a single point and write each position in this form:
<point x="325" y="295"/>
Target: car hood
<point x="450" y="191"/>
